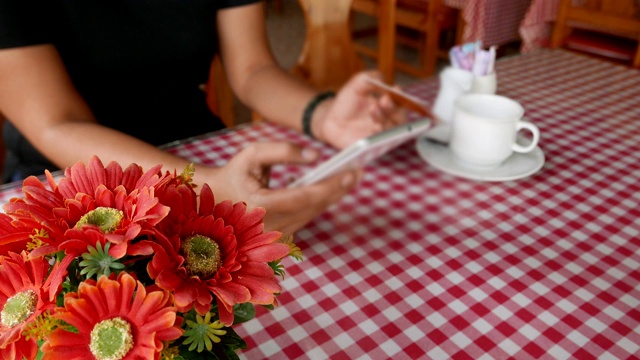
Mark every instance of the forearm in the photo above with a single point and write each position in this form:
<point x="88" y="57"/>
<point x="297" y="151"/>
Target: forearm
<point x="277" y="96"/>
<point x="85" y="139"/>
<point x="255" y="76"/>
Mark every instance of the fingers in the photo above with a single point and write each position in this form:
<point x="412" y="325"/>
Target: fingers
<point x="271" y="153"/>
<point x="387" y="113"/>
<point x="362" y="85"/>
<point x="331" y="190"/>
<point x="290" y="209"/>
<point x="383" y="109"/>
<point x="248" y="171"/>
<point x="318" y="195"/>
<point x="394" y="114"/>
<point x="371" y="74"/>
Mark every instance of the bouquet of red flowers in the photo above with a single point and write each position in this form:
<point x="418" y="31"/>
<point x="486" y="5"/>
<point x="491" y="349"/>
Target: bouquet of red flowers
<point x="113" y="263"/>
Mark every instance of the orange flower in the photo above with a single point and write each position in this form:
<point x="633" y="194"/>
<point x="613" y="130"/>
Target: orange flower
<point x="120" y="203"/>
<point x="218" y="249"/>
<point x="25" y="292"/>
<point x="20" y="349"/>
<point x="14" y="236"/>
<point x="115" y="319"/>
<point x="171" y="250"/>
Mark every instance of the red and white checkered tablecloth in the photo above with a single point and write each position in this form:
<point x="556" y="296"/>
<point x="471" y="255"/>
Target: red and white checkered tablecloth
<point x="495" y="22"/>
<point x="418" y="264"/>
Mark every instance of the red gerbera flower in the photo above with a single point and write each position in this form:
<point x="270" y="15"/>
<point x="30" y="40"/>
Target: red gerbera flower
<point x="218" y="249"/>
<point x="25" y="292"/>
<point x="20" y="349"/>
<point x="115" y="319"/>
<point x="14" y="236"/>
<point x="120" y="203"/>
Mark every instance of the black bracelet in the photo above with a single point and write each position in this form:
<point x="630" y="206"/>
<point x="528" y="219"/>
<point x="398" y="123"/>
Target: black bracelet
<point x="311" y="107"/>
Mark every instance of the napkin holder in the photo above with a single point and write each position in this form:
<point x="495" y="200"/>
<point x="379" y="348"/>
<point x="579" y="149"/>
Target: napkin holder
<point x="453" y="83"/>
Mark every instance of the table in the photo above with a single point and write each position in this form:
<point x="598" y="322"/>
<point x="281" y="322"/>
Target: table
<point x="495" y="22"/>
<point x="418" y="264"/>
<point x="537" y="25"/>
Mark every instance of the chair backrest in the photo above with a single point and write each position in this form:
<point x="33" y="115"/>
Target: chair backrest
<point x="424" y="17"/>
<point x="612" y="17"/>
<point x="328" y="57"/>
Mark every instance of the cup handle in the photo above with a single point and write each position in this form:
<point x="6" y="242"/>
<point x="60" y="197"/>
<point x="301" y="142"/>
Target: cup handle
<point x="534" y="141"/>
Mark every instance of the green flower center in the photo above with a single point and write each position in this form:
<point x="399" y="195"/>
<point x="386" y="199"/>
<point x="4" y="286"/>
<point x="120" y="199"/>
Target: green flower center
<point x="201" y="255"/>
<point x="107" y="219"/>
<point x="18" y="308"/>
<point x="111" y="339"/>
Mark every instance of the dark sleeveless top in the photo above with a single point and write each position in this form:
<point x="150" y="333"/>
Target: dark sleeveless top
<point x="138" y="63"/>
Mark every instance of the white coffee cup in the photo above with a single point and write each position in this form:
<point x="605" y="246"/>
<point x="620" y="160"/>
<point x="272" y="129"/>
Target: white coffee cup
<point x="485" y="128"/>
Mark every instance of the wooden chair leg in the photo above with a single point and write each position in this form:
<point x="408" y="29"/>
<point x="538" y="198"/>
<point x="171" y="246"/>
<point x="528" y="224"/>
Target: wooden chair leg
<point x="387" y="40"/>
<point x="460" y="24"/>
<point x="3" y="148"/>
<point x="559" y="29"/>
<point x="431" y="49"/>
<point x="220" y="97"/>
<point x="277" y="4"/>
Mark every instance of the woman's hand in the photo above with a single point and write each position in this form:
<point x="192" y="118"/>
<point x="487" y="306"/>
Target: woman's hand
<point x="357" y="111"/>
<point x="246" y="178"/>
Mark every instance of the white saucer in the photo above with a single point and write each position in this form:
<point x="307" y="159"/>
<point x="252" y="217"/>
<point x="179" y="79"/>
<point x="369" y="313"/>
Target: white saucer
<point x="517" y="166"/>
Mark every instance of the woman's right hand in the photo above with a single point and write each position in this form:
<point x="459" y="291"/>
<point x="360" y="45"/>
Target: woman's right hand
<point x="246" y="178"/>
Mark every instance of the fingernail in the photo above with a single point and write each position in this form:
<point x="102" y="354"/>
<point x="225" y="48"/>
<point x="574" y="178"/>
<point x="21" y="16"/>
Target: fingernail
<point x="347" y="180"/>
<point x="309" y="154"/>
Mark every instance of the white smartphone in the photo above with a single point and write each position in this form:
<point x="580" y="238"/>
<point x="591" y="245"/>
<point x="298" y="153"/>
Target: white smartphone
<point x="364" y="151"/>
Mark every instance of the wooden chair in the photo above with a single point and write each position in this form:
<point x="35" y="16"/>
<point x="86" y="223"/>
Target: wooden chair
<point x="605" y="28"/>
<point x="3" y="148"/>
<point x="278" y="5"/>
<point x="395" y="18"/>
<point x="220" y="97"/>
<point x="328" y="58"/>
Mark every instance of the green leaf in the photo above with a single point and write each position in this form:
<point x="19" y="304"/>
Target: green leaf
<point x="226" y="349"/>
<point x="186" y="354"/>
<point x="39" y="354"/>
<point x="278" y="269"/>
<point x="243" y="312"/>
<point x="232" y="340"/>
<point x="97" y="261"/>
<point x="231" y="354"/>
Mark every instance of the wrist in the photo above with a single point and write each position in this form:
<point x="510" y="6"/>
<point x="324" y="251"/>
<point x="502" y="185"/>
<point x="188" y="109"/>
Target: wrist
<point x="215" y="178"/>
<point x="315" y="109"/>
